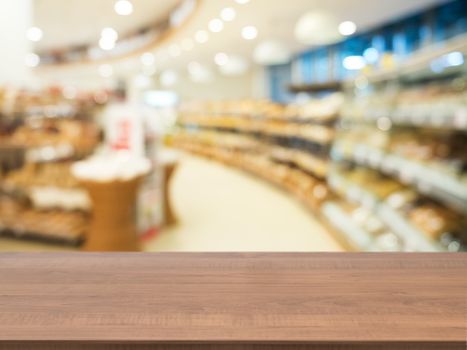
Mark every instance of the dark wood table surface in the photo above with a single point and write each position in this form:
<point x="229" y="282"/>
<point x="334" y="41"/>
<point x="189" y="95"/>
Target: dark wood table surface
<point x="233" y="301"/>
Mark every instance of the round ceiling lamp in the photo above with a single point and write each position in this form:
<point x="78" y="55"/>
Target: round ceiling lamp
<point x="228" y="14"/>
<point x="317" y="28"/>
<point x="32" y="60"/>
<point x="216" y="25"/>
<point x="123" y="7"/>
<point x="34" y="34"/>
<point x="249" y="32"/>
<point x="271" y="52"/>
<point x="236" y="65"/>
<point x="347" y="28"/>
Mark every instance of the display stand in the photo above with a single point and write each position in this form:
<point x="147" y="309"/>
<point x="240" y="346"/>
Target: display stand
<point x="113" y="224"/>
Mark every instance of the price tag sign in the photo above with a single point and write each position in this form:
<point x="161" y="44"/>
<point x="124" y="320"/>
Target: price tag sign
<point x="124" y="128"/>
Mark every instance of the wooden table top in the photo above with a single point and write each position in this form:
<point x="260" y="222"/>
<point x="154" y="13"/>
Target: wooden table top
<point x="239" y="297"/>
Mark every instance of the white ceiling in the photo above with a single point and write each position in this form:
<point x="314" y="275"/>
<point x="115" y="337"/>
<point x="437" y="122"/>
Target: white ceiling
<point x="273" y="18"/>
<point x="74" y="22"/>
<point x="277" y="18"/>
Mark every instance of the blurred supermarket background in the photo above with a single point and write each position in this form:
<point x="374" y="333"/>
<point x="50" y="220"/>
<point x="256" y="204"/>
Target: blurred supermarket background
<point x="233" y="125"/>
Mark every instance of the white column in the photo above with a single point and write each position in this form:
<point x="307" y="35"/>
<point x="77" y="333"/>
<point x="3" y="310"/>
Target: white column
<point x="15" y="19"/>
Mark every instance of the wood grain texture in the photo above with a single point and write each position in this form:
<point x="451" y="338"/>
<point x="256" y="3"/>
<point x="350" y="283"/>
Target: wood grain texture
<point x="241" y="298"/>
<point x="286" y="346"/>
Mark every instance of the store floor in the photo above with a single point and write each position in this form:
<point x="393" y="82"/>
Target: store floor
<point x="223" y="209"/>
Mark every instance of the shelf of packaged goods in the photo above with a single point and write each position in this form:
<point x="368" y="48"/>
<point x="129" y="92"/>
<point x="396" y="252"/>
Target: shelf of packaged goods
<point x="301" y="159"/>
<point x="427" y="179"/>
<point x="390" y="217"/>
<point x="50" y="153"/>
<point x="19" y="220"/>
<point x="356" y="237"/>
<point x="33" y="236"/>
<point x="318" y="134"/>
<point x="316" y="119"/>
<point x="419" y="61"/>
<point x="446" y="117"/>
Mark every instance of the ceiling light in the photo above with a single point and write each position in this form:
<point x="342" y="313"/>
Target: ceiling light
<point x="187" y="44"/>
<point x="317" y="28"/>
<point x="216" y="25"/>
<point x="106" y="44"/>
<point x="174" y="50"/>
<point x="109" y="34"/>
<point x="32" y="60"/>
<point x="123" y="7"/>
<point x="148" y="59"/>
<point x="354" y="62"/>
<point x="105" y="70"/>
<point x="201" y="36"/>
<point x="228" y="14"/>
<point x="249" y="32"/>
<point x="241" y="2"/>
<point x="34" y="34"/>
<point x="347" y="28"/>
<point x="221" y="59"/>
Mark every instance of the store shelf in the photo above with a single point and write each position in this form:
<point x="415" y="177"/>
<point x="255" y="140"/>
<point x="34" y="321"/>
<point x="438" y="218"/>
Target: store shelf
<point x="305" y="160"/>
<point x="449" y="118"/>
<point x="318" y="134"/>
<point x="340" y="220"/>
<point x="32" y="236"/>
<point x="316" y="87"/>
<point x="391" y="218"/>
<point x="426" y="179"/>
<point x="418" y="62"/>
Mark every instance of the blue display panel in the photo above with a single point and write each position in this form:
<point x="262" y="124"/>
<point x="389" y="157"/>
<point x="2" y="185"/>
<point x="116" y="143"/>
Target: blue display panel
<point x="322" y="65"/>
<point x="306" y="67"/>
<point x="279" y="80"/>
<point x="400" y="39"/>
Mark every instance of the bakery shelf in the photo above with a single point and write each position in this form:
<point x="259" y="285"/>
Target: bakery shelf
<point x="298" y="118"/>
<point x="418" y="63"/>
<point x="448" y="119"/>
<point x="342" y="222"/>
<point x="310" y="160"/>
<point x="33" y="236"/>
<point x="318" y="134"/>
<point x="426" y="179"/>
<point x="390" y="217"/>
